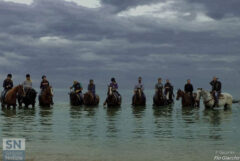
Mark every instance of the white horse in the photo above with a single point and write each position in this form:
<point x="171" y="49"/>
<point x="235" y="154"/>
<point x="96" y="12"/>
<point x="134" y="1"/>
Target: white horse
<point x="225" y="100"/>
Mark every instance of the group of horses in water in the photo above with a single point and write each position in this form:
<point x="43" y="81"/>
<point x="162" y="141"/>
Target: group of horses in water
<point x="28" y="97"/>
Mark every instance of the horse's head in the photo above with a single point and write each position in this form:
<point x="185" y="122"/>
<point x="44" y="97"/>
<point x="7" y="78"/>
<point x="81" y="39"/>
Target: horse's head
<point x="49" y="91"/>
<point x="199" y="94"/>
<point x="20" y="90"/>
<point x="110" y="91"/>
<point x="139" y="92"/>
<point x="179" y="94"/>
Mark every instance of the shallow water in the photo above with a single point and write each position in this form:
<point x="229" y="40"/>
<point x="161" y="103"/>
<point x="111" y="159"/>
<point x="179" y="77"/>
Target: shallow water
<point x="126" y="133"/>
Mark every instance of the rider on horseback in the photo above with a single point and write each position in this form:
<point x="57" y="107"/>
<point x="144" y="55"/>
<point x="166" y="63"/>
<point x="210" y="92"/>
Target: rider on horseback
<point x="92" y="88"/>
<point x="216" y="89"/>
<point x="77" y="89"/>
<point x="188" y="88"/>
<point x="27" y="84"/>
<point x="139" y="86"/>
<point x="44" y="85"/>
<point x="114" y="87"/>
<point x="7" y="85"/>
<point x="159" y="85"/>
<point x="168" y="90"/>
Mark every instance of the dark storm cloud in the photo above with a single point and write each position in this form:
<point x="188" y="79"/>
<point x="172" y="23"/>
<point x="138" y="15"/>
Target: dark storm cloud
<point x="67" y="41"/>
<point x="218" y="9"/>
<point x="125" y="4"/>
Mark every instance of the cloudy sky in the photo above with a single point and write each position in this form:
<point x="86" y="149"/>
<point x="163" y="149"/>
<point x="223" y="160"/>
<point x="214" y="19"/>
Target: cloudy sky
<point x="81" y="39"/>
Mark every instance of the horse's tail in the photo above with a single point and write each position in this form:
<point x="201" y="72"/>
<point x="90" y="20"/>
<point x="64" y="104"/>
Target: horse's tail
<point x="236" y="101"/>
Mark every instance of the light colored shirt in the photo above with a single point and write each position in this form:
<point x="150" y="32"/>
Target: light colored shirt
<point x="139" y="85"/>
<point x="27" y="84"/>
<point x="159" y="85"/>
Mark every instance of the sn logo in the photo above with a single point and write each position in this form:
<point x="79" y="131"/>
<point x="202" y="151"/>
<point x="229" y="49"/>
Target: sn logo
<point x="14" y="144"/>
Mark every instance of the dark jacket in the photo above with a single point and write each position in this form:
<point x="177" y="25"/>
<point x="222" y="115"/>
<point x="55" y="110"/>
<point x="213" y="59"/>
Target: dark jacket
<point x="44" y="84"/>
<point x="168" y="87"/>
<point x="216" y="86"/>
<point x="91" y="87"/>
<point x="188" y="88"/>
<point x="77" y="86"/>
<point x="7" y="84"/>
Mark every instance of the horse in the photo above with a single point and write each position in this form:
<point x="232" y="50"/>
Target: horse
<point x="139" y="98"/>
<point x="28" y="99"/>
<point x="225" y="99"/>
<point x="90" y="100"/>
<point x="187" y="100"/>
<point x="75" y="99"/>
<point x="46" y="96"/>
<point x="113" y="99"/>
<point x="11" y="96"/>
<point x="159" y="99"/>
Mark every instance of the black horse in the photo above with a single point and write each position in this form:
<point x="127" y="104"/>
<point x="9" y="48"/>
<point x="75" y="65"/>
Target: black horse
<point x="161" y="100"/>
<point x="28" y="99"/>
<point x="90" y="100"/>
<point x="139" y="98"/>
<point x="75" y="99"/>
<point x="113" y="98"/>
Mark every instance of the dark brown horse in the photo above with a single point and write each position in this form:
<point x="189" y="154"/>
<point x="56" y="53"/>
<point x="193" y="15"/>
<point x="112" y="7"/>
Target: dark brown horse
<point x="187" y="99"/>
<point x="139" y="98"/>
<point x="159" y="99"/>
<point x="75" y="99"/>
<point x="90" y="100"/>
<point x="113" y="99"/>
<point x="11" y="96"/>
<point x="28" y="99"/>
<point x="46" y="96"/>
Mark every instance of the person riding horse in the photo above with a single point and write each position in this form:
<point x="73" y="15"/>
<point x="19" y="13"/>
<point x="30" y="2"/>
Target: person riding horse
<point x="27" y="84"/>
<point x="168" y="90"/>
<point x="114" y="86"/>
<point x="216" y="89"/>
<point x="188" y="88"/>
<point x="43" y="85"/>
<point x="159" y="85"/>
<point x="7" y="85"/>
<point x="92" y="88"/>
<point x="77" y="89"/>
<point x="139" y="86"/>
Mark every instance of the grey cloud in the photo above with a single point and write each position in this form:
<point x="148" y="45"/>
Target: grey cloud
<point x="66" y="42"/>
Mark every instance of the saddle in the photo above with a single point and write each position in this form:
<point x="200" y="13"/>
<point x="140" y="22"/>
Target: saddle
<point x="3" y="95"/>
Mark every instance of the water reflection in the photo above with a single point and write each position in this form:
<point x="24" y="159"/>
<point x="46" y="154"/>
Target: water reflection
<point x="9" y="112"/>
<point x="46" y="122"/>
<point x="215" y="119"/>
<point x="75" y="123"/>
<point x="190" y="115"/>
<point x="138" y="113"/>
<point x="163" y="122"/>
<point x="91" y="110"/>
<point x="112" y="124"/>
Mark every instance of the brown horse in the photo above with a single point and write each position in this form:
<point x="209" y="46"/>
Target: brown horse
<point x="113" y="99"/>
<point x="11" y="96"/>
<point x="46" y="96"/>
<point x="159" y="99"/>
<point x="90" y="100"/>
<point x="139" y="98"/>
<point x="187" y="100"/>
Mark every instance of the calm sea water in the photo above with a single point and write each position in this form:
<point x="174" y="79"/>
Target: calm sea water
<point x="116" y="134"/>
